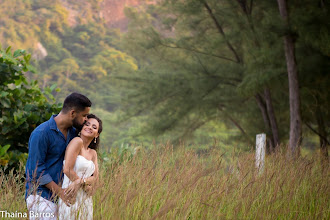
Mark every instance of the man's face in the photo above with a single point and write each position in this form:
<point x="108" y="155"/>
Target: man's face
<point x="81" y="118"/>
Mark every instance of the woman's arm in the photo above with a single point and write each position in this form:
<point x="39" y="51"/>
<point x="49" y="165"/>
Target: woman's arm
<point x="71" y="154"/>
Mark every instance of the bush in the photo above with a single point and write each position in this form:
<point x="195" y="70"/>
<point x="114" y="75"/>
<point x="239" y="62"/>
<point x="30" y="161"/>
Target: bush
<point x="23" y="105"/>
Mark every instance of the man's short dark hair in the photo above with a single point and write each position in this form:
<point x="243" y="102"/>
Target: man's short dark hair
<point x="76" y="101"/>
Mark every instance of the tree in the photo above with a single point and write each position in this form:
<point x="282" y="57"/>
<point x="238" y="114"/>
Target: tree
<point x="23" y="105"/>
<point x="78" y="53"/>
<point x="205" y="60"/>
<point x="312" y="51"/>
<point x="295" y="114"/>
<point x="199" y="62"/>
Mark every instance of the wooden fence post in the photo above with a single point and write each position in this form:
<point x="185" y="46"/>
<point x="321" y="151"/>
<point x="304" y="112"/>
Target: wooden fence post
<point x="260" y="151"/>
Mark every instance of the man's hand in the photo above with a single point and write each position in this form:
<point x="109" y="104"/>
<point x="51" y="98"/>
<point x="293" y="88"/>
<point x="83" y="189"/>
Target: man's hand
<point x="72" y="190"/>
<point x="65" y="198"/>
<point x="60" y="193"/>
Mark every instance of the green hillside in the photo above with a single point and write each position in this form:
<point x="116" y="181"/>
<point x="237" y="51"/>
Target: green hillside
<point x="203" y="73"/>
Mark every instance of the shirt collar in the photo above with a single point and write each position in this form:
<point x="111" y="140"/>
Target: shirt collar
<point x="52" y="123"/>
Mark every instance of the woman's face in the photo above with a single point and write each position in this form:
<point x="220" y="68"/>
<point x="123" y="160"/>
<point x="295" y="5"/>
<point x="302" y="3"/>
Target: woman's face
<point x="90" y="128"/>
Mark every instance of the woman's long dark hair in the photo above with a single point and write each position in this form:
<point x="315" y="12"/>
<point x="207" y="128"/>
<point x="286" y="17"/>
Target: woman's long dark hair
<point x="94" y="145"/>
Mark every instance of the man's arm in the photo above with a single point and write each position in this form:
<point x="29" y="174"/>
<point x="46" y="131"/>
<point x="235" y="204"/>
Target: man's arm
<point x="36" y="166"/>
<point x="58" y="191"/>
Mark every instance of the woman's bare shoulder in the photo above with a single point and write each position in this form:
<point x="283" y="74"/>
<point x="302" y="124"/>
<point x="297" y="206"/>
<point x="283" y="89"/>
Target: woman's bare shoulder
<point x="76" y="142"/>
<point x="73" y="150"/>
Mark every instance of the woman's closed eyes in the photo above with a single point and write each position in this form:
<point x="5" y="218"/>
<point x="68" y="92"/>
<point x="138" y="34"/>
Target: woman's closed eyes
<point x="93" y="126"/>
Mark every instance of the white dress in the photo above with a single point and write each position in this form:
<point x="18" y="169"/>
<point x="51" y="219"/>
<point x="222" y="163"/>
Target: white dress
<point x="83" y="207"/>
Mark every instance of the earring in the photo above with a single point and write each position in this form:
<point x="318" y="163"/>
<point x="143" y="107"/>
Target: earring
<point x="95" y="141"/>
<point x="79" y="134"/>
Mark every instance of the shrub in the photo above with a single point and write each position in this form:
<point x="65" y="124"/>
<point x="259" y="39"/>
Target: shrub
<point x="23" y="105"/>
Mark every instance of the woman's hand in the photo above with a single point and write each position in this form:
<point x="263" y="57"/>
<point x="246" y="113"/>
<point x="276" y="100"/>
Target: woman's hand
<point x="89" y="189"/>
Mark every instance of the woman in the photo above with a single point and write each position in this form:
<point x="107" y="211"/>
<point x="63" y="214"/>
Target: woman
<point x="81" y="171"/>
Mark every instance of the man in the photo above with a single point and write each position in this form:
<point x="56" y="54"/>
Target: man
<point x="47" y="145"/>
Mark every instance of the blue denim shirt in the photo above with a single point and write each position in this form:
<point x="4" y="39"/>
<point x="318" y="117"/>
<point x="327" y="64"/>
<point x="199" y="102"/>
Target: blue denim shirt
<point x="47" y="147"/>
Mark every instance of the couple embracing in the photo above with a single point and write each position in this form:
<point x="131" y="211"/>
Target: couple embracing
<point x="56" y="149"/>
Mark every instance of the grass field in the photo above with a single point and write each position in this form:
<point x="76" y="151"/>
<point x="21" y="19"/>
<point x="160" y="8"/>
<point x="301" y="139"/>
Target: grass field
<point x="163" y="183"/>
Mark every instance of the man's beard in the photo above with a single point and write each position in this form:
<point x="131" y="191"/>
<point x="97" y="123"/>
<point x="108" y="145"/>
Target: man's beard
<point x="77" y="125"/>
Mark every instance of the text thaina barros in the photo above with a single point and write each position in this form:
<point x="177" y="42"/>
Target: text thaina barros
<point x="16" y="214"/>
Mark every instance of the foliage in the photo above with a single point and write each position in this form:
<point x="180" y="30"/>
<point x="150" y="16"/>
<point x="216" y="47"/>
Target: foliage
<point x="77" y="57"/>
<point x="206" y="61"/>
<point x="4" y="158"/>
<point x="23" y="105"/>
<point x="188" y="76"/>
<point x="174" y="74"/>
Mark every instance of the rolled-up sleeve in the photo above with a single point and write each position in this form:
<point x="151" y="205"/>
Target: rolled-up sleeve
<point x="38" y="146"/>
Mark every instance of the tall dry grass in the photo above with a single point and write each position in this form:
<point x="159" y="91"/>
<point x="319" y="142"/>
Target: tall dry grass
<point x="179" y="184"/>
<point x="12" y="190"/>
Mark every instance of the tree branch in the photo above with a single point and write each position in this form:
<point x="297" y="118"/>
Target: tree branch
<point x="238" y="126"/>
<point x="209" y="10"/>
<point x="310" y="127"/>
<point x="200" y="52"/>
<point x="209" y="75"/>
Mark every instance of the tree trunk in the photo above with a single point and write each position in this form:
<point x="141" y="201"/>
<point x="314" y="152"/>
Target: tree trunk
<point x="272" y="118"/>
<point x="322" y="135"/>
<point x="265" y="117"/>
<point x="295" y="117"/>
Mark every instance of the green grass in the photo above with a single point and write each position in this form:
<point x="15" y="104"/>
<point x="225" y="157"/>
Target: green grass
<point x="163" y="183"/>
